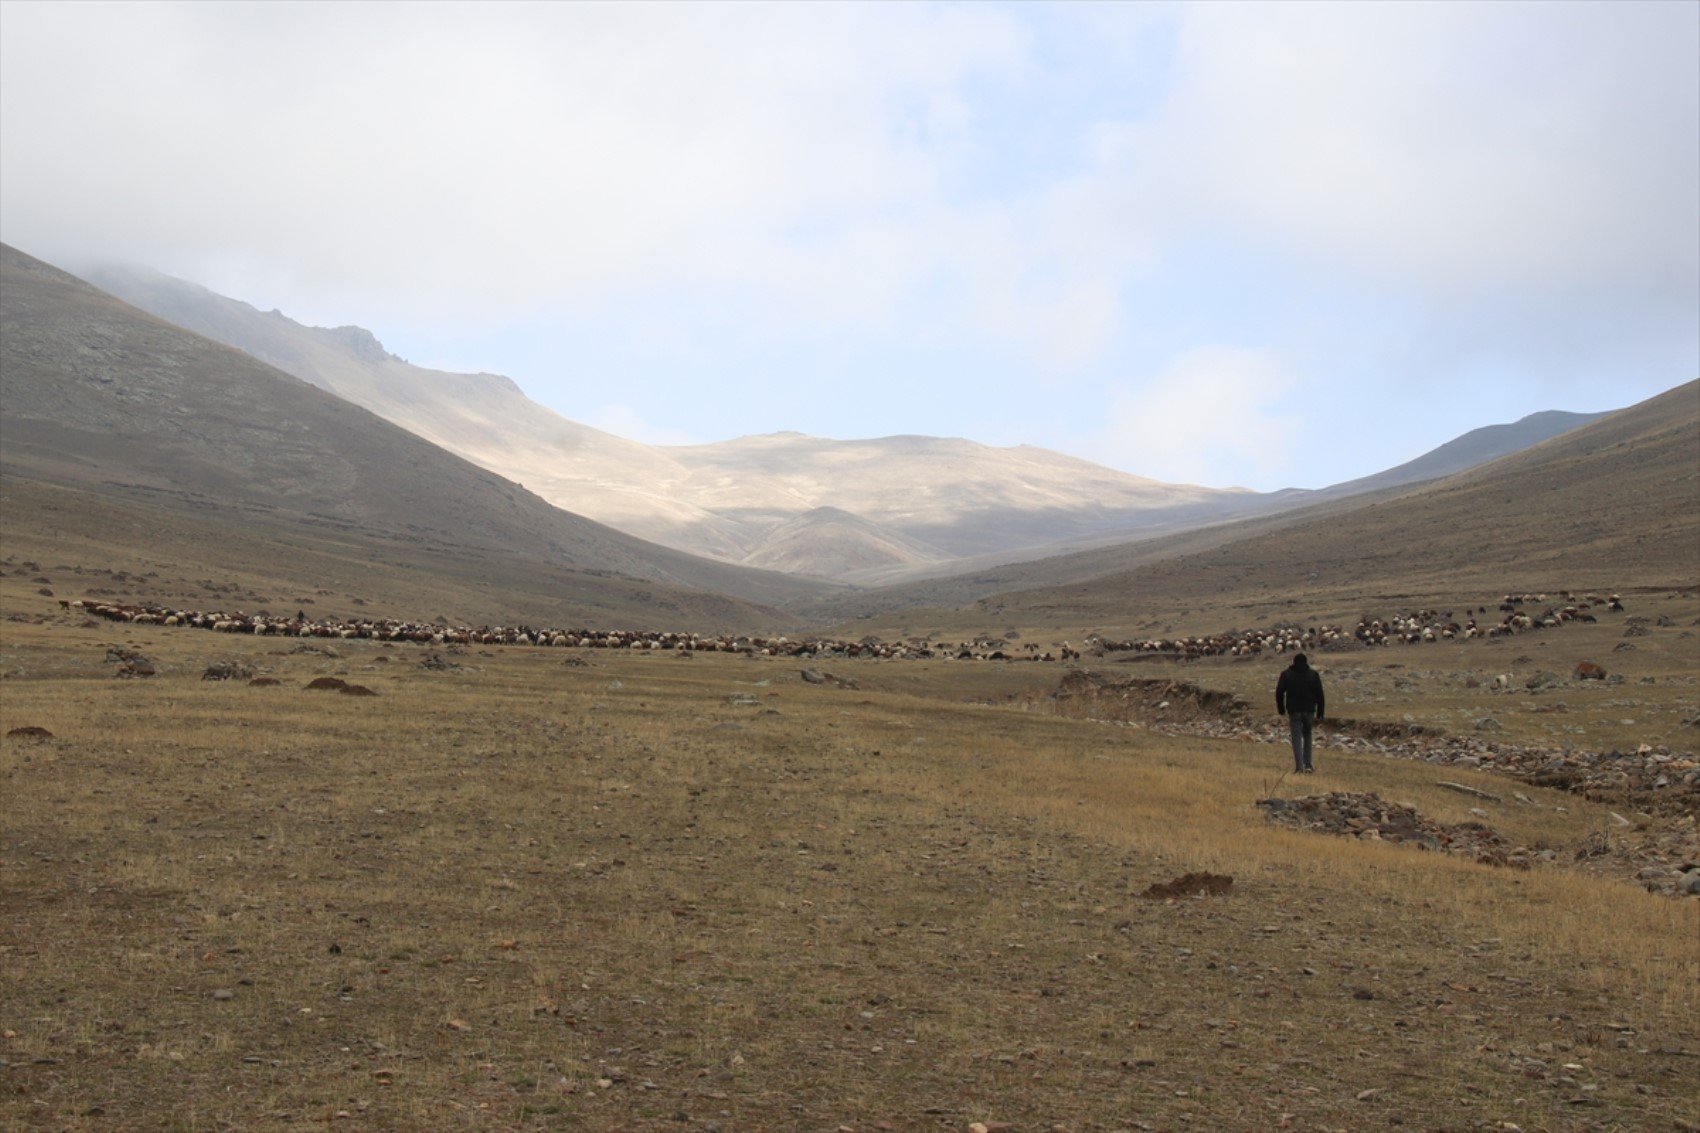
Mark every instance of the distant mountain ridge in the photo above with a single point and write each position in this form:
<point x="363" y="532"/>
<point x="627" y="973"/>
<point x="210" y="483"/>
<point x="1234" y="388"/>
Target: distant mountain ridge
<point x="866" y="511"/>
<point x="100" y="396"/>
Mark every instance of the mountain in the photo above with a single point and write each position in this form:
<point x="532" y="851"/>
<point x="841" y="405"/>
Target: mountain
<point x="103" y="400"/>
<point x="866" y="511"/>
<point x="938" y="499"/>
<point x="1478" y="446"/>
<point x="1614" y="504"/>
<point x="484" y="418"/>
<point x="798" y="544"/>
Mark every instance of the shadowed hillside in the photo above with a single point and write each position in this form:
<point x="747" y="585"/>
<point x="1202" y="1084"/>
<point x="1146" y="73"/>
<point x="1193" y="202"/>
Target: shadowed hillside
<point x="1613" y="504"/>
<point x="103" y="399"/>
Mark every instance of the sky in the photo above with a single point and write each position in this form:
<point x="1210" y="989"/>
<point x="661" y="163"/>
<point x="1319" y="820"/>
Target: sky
<point x="1260" y="245"/>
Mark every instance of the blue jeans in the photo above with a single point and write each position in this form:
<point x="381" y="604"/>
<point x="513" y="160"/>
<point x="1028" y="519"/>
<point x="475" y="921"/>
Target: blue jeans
<point x="1302" y="724"/>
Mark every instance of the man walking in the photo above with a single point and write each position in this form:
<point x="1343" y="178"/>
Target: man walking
<point x="1298" y="697"/>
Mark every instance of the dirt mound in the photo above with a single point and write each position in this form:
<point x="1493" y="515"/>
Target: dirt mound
<point x="1191" y="884"/>
<point x="327" y="683"/>
<point x="1099" y="696"/>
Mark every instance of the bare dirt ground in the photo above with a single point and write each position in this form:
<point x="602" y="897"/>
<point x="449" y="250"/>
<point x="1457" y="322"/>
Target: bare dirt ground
<point x="647" y="893"/>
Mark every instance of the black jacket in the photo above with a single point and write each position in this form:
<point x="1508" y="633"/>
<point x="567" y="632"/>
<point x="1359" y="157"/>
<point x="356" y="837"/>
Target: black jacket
<point x="1299" y="690"/>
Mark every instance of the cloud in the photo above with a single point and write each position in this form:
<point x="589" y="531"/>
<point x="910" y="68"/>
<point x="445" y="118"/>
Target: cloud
<point x="1212" y="415"/>
<point x="961" y="202"/>
<point x="499" y="152"/>
<point x="1460" y="148"/>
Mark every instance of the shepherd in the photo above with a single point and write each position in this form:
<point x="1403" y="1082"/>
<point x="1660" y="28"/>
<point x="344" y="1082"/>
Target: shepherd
<point x="1298" y="697"/>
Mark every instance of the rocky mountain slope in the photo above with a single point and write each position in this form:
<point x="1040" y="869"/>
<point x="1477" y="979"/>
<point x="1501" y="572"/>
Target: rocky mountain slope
<point x="102" y="398"/>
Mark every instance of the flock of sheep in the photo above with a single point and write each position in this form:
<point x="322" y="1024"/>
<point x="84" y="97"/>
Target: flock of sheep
<point x="1414" y="628"/>
<point x="1404" y="629"/>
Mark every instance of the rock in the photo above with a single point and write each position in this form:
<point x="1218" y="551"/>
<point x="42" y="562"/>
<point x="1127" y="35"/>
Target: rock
<point x="813" y="677"/>
<point x="225" y="671"/>
<point x="1489" y="724"/>
<point x="1543" y="680"/>
<point x="1467" y="790"/>
<point x="224" y="994"/>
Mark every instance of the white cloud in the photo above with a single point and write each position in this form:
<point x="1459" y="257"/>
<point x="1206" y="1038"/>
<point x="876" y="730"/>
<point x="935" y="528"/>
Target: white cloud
<point x="542" y="150"/>
<point x="1459" y="148"/>
<point x="1214" y="415"/>
<point x="1508" y="187"/>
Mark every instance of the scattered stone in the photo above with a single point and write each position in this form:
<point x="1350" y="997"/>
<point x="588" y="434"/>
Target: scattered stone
<point x="1463" y="789"/>
<point x="816" y="677"/>
<point x="1191" y="885"/>
<point x="1656" y="780"/>
<point x="1368" y="817"/>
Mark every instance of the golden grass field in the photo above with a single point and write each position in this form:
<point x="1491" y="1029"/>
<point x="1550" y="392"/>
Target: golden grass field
<point x="653" y="893"/>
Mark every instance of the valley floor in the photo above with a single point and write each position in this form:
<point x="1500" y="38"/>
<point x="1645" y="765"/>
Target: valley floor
<point x="530" y="889"/>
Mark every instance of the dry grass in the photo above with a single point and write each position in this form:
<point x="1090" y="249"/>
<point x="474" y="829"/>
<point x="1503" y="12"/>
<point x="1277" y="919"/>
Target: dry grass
<point x="529" y="895"/>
